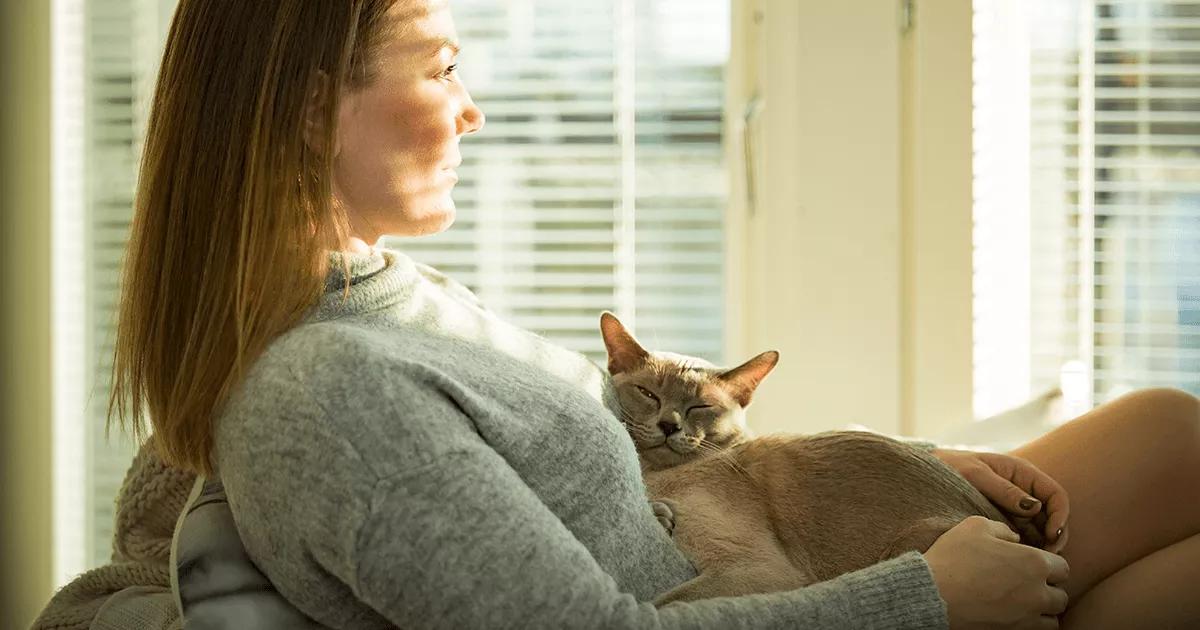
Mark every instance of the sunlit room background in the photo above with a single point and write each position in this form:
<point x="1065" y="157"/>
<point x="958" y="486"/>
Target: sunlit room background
<point x="737" y="176"/>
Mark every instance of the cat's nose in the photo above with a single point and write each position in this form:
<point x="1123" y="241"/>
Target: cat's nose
<point x="668" y="427"/>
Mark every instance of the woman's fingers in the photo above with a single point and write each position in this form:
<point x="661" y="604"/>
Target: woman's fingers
<point x="1061" y="542"/>
<point x="1018" y="487"/>
<point x="1056" y="601"/>
<point x="1032" y="491"/>
<point x="977" y="559"/>
<point x="995" y="486"/>
<point x="1047" y="622"/>
<point x="1000" y="530"/>
<point x="1059" y="570"/>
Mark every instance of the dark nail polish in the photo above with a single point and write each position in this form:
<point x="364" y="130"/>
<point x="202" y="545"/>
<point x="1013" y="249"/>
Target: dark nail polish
<point x="1028" y="503"/>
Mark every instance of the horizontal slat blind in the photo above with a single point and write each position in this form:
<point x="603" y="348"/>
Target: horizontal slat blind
<point x="111" y="83"/>
<point x="1113" y="180"/>
<point x="1147" y="195"/>
<point x="597" y="182"/>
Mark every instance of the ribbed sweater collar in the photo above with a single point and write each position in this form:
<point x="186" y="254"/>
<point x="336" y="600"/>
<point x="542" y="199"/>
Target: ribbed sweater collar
<point x="377" y="280"/>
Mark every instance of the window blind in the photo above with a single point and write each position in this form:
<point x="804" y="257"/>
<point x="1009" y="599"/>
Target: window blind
<point x="1087" y="243"/>
<point x="597" y="184"/>
<point x="104" y="59"/>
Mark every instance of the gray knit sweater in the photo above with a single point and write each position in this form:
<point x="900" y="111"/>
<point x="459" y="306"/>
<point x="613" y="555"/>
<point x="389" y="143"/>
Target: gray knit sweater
<point x="406" y="458"/>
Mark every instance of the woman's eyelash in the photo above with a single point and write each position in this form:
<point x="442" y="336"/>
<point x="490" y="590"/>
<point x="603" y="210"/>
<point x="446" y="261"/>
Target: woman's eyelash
<point x="449" y="71"/>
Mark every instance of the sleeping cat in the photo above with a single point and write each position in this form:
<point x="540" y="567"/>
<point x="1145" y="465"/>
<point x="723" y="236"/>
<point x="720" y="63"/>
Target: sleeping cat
<point x="777" y="512"/>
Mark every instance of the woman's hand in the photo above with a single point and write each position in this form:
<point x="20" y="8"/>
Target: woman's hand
<point x="990" y="581"/>
<point x="1017" y="487"/>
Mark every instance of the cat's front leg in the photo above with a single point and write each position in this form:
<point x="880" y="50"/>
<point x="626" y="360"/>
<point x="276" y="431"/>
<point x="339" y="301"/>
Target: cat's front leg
<point x="664" y="511"/>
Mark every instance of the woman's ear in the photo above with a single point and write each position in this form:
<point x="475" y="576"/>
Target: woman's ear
<point x="316" y="115"/>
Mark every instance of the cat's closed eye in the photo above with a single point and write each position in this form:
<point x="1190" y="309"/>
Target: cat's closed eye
<point x="647" y="393"/>
<point x="698" y="407"/>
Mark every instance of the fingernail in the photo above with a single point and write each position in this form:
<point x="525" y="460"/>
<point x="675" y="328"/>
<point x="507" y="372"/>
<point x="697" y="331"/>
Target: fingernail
<point x="1028" y="503"/>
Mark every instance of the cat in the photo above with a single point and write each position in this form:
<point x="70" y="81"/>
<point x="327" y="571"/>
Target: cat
<point x="778" y="512"/>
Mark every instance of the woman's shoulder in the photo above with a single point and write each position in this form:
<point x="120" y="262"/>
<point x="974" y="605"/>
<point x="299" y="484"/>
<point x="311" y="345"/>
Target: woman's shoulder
<point x="333" y="341"/>
<point x="337" y="385"/>
<point x="356" y="354"/>
<point x="298" y="360"/>
<point x="448" y="285"/>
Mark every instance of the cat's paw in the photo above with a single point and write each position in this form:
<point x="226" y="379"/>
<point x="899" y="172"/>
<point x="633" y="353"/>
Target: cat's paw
<point x="664" y="511"/>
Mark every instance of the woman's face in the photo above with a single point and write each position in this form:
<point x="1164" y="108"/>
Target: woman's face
<point x="397" y="139"/>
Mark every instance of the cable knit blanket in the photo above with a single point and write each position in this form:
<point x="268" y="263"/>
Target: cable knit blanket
<point x="133" y="591"/>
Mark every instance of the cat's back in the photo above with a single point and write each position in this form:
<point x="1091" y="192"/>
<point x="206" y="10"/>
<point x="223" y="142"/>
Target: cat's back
<point x="835" y="501"/>
<point x="880" y="470"/>
<point x="842" y="499"/>
<point x="838" y="457"/>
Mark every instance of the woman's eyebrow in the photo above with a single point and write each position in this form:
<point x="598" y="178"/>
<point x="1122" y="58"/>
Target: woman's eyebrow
<point x="445" y="42"/>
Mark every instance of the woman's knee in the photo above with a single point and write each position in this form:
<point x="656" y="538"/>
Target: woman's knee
<point x="1162" y="434"/>
<point x="1169" y="413"/>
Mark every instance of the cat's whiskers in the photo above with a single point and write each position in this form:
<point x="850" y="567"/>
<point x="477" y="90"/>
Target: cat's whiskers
<point x="725" y="455"/>
<point x="626" y="419"/>
<point x="639" y="434"/>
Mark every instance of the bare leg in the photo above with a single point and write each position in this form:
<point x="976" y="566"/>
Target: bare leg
<point x="1131" y="469"/>
<point x="1161" y="590"/>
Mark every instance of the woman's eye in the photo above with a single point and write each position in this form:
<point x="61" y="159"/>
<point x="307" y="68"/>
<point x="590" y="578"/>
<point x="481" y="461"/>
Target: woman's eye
<point x="449" y="71"/>
<point x="647" y="393"/>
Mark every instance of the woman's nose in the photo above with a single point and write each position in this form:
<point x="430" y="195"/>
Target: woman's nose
<point x="472" y="118"/>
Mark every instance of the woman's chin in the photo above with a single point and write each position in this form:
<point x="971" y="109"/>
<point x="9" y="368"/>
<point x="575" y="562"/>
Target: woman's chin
<point x="430" y="223"/>
<point x="448" y="215"/>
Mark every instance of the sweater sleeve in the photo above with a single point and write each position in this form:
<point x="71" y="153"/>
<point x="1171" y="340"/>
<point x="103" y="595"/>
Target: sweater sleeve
<point x="464" y="543"/>
<point x="141" y="607"/>
<point x="119" y="595"/>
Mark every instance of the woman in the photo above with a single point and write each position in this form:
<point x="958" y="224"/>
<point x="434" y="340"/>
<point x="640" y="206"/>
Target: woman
<point x="397" y="456"/>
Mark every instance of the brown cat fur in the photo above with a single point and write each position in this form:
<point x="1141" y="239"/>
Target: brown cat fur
<point x="778" y="512"/>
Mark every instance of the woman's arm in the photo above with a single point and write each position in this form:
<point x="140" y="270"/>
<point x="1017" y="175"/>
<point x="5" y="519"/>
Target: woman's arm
<point x="456" y="539"/>
<point x="367" y="494"/>
<point x="464" y="543"/>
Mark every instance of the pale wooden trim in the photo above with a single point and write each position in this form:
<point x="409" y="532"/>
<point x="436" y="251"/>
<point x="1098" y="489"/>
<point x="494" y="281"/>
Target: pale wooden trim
<point x="25" y="377"/>
<point x="937" y="226"/>
<point x="820" y="259"/>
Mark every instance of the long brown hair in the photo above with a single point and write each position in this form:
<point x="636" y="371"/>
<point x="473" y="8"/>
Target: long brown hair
<point x="233" y="214"/>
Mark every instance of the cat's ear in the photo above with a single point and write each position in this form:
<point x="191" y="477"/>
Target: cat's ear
<point x="624" y="352"/>
<point x="742" y="380"/>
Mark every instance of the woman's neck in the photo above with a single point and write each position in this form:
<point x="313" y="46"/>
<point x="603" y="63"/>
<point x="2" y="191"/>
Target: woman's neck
<point x="356" y="245"/>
